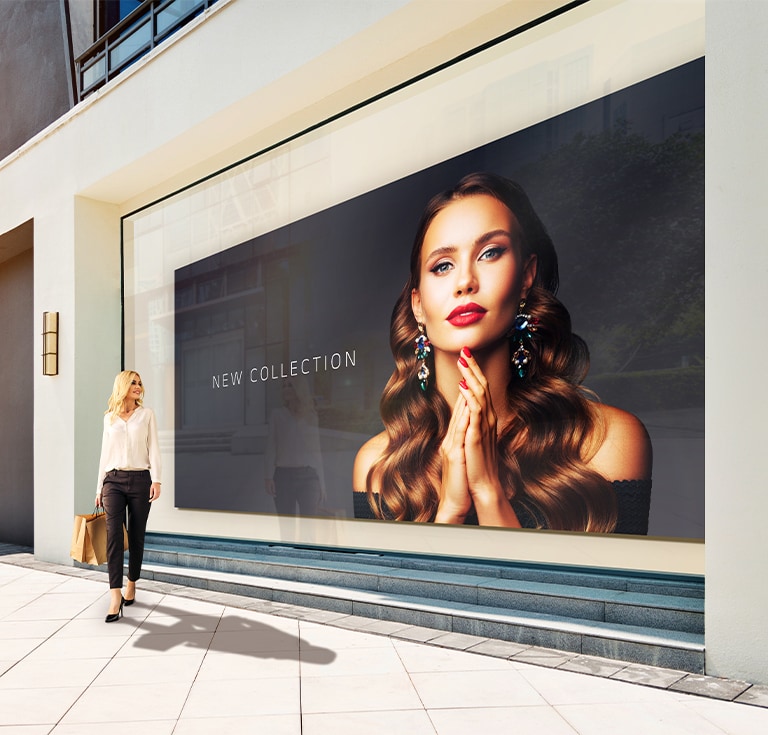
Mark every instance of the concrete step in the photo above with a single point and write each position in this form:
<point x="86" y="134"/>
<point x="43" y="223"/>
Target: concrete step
<point x="608" y="615"/>
<point x="676" y="585"/>
<point x="624" y="607"/>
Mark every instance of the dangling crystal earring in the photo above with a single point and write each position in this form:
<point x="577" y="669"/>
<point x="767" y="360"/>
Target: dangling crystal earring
<point x="522" y="329"/>
<point x="423" y="348"/>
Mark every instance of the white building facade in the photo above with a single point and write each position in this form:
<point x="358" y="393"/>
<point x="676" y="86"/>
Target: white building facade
<point x="246" y="77"/>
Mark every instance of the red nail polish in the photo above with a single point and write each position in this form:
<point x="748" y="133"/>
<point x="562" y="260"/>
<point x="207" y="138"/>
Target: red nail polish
<point x="466" y="351"/>
<point x="463" y="384"/>
<point x="462" y="362"/>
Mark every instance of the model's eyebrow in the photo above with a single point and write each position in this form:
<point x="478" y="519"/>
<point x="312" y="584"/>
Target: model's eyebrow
<point x="482" y="240"/>
<point x="441" y="251"/>
<point x="492" y="235"/>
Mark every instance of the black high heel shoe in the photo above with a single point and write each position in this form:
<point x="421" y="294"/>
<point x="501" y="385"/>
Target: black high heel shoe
<point x="114" y="617"/>
<point x="129" y="602"/>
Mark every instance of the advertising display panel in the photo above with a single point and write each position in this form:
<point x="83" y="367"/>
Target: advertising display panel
<point x="525" y="350"/>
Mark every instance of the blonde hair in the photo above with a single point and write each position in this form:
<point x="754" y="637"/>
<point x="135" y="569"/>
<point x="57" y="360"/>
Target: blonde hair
<point x="120" y="388"/>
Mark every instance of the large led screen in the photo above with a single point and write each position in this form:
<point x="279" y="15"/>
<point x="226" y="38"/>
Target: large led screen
<point x="284" y="395"/>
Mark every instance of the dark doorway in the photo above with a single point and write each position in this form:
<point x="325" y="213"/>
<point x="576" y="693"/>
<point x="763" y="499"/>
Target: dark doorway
<point x="17" y="365"/>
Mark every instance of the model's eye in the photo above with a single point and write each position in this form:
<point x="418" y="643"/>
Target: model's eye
<point x="492" y="253"/>
<point x="441" y="267"/>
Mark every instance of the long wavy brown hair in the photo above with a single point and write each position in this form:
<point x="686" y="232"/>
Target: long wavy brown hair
<point x="541" y="450"/>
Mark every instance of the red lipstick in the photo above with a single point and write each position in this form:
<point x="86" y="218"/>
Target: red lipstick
<point x="466" y="314"/>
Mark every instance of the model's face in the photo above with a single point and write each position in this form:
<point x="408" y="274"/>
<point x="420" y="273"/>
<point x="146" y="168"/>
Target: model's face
<point x="289" y="391"/>
<point x="472" y="278"/>
<point x="136" y="389"/>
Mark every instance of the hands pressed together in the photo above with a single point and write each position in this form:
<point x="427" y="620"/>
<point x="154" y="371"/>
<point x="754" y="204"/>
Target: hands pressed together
<point x="470" y="469"/>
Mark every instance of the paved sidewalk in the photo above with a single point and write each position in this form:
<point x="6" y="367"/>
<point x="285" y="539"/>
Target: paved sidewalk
<point x="188" y="661"/>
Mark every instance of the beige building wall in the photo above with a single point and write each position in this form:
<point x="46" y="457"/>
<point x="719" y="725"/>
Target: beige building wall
<point x="737" y="309"/>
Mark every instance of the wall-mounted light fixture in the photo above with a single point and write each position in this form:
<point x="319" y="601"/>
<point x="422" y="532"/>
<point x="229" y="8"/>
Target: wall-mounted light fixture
<point x="50" y="343"/>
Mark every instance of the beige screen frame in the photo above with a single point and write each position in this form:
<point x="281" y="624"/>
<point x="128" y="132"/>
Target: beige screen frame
<point x="577" y="57"/>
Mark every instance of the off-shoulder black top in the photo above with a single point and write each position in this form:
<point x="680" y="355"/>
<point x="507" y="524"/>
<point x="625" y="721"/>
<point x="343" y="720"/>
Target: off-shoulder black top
<point x="633" y="498"/>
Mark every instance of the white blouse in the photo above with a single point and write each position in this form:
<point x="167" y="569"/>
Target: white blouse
<point x="130" y="445"/>
<point x="292" y="442"/>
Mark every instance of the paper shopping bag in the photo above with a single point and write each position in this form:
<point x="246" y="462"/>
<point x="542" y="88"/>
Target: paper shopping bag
<point x="89" y="538"/>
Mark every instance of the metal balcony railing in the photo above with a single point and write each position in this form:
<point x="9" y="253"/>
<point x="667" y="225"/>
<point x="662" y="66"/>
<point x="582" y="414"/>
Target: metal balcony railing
<point x="137" y="34"/>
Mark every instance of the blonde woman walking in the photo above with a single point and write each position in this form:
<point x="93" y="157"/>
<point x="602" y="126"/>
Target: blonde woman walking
<point x="129" y="480"/>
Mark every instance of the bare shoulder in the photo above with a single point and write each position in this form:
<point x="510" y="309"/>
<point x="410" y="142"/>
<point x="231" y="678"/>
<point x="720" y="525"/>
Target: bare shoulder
<point x="625" y="452"/>
<point x="366" y="456"/>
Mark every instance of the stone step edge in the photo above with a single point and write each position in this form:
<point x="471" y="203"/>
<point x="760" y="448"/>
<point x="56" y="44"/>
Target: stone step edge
<point x="270" y="553"/>
<point x="545" y="589"/>
<point x="297" y="555"/>
<point x="693" y="642"/>
<point x="686" y="586"/>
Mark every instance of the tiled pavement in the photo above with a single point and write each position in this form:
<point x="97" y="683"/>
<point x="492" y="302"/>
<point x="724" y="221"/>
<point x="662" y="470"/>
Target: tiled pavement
<point x="185" y="661"/>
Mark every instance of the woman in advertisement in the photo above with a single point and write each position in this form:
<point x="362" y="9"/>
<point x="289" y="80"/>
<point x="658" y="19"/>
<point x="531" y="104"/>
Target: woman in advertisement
<point x="129" y="480"/>
<point x="485" y="418"/>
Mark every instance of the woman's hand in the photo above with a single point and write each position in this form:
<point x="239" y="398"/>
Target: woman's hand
<point x="480" y="441"/>
<point x="154" y="491"/>
<point x="98" y="500"/>
<point x="455" y="501"/>
<point x="480" y="448"/>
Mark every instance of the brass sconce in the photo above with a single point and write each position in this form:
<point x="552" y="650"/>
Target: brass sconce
<point x="50" y="343"/>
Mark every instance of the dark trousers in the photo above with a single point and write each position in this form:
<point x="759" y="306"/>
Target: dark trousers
<point x="297" y="486"/>
<point x="125" y="497"/>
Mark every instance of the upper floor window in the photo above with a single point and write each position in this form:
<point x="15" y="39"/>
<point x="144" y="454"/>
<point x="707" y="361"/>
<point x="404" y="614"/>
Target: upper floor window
<point x="110" y="12"/>
<point x="128" y="29"/>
